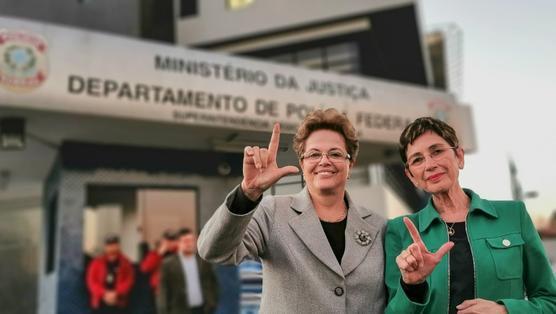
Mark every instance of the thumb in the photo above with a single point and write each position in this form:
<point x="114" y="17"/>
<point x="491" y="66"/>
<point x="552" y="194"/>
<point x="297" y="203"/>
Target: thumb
<point x="445" y="248"/>
<point x="279" y="173"/>
<point x="287" y="170"/>
<point x="466" y="304"/>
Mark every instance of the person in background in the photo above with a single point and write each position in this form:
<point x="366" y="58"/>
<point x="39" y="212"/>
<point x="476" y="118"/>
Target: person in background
<point x="461" y="253"/>
<point x="167" y="246"/>
<point x="110" y="278"/>
<point x="187" y="283"/>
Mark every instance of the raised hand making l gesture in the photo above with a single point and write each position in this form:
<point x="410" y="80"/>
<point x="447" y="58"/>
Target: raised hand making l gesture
<point x="260" y="170"/>
<point x="416" y="262"/>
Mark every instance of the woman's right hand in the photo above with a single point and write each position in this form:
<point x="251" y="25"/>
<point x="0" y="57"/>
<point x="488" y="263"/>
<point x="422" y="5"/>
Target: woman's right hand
<point x="416" y="263"/>
<point x="260" y="170"/>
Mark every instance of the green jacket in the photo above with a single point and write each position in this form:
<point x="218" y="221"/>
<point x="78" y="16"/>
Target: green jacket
<point x="510" y="263"/>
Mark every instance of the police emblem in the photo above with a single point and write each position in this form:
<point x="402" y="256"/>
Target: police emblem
<point x="23" y="60"/>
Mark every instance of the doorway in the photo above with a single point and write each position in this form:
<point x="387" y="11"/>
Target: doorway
<point x="139" y="215"/>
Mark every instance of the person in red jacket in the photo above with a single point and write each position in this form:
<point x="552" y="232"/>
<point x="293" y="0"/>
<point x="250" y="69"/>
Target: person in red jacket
<point x="110" y="278"/>
<point x="152" y="262"/>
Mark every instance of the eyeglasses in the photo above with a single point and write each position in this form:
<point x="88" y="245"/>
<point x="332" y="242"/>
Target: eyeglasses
<point x="436" y="154"/>
<point x="334" y="155"/>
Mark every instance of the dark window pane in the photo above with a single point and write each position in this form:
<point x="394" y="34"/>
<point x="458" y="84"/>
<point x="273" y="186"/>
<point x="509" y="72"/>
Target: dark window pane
<point x="188" y="8"/>
<point x="51" y="230"/>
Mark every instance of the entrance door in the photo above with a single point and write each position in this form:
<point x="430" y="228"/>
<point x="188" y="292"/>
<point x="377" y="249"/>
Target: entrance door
<point x="162" y="209"/>
<point x="97" y="223"/>
<point x="122" y="209"/>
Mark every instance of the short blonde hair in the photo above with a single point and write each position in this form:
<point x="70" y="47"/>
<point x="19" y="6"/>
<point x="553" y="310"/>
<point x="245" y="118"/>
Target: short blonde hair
<point x="329" y="119"/>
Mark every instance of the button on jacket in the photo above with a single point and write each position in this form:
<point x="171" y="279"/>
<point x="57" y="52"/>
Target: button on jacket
<point x="300" y="271"/>
<point x="508" y="258"/>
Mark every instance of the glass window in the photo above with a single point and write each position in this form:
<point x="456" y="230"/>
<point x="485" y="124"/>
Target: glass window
<point x="285" y="58"/>
<point x="238" y="4"/>
<point x="188" y="8"/>
<point x="312" y="59"/>
<point x="343" y="58"/>
<point x="346" y="52"/>
<point x="339" y="58"/>
<point x="343" y="68"/>
<point x="51" y="230"/>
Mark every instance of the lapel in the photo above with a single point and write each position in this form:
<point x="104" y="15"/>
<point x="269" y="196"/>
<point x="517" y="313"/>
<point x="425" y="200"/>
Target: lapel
<point x="355" y="252"/>
<point x="178" y="272"/>
<point x="203" y="271"/>
<point x="307" y="227"/>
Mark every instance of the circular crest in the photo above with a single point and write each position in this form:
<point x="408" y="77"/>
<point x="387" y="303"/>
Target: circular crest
<point x="23" y="60"/>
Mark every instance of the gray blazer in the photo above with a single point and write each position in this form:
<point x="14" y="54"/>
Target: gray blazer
<point x="300" y="272"/>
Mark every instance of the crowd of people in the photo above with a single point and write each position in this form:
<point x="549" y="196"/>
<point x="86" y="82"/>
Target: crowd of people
<point x="179" y="280"/>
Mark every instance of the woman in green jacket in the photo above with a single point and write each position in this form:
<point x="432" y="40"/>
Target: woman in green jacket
<point x="461" y="253"/>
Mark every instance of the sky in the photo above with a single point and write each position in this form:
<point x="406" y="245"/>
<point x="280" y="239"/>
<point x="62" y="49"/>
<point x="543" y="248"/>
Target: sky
<point x="509" y="80"/>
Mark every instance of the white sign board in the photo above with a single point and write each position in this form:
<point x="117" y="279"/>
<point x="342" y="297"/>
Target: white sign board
<point x="47" y="67"/>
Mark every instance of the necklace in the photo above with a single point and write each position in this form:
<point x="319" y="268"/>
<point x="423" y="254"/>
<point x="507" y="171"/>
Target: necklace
<point x="342" y="217"/>
<point x="339" y="218"/>
<point x="451" y="230"/>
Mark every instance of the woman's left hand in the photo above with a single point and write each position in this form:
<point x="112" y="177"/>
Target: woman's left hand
<point x="477" y="306"/>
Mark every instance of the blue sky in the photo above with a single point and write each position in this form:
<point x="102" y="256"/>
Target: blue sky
<point x="509" y="79"/>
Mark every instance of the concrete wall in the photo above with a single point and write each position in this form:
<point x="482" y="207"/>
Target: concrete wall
<point x="18" y="265"/>
<point x="20" y="235"/>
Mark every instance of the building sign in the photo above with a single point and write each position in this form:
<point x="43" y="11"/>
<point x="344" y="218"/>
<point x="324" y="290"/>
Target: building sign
<point x="99" y="74"/>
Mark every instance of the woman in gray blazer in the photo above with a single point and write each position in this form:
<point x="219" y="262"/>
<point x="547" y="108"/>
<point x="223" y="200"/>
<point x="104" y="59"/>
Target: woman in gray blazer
<point x="320" y="252"/>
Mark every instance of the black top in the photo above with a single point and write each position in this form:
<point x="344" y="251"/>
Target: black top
<point x="462" y="273"/>
<point x="336" y="235"/>
<point x="111" y="273"/>
<point x="239" y="204"/>
<point x="415" y="293"/>
<point x="462" y="278"/>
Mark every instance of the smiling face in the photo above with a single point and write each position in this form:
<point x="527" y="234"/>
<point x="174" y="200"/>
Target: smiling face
<point x="325" y="175"/>
<point x="433" y="165"/>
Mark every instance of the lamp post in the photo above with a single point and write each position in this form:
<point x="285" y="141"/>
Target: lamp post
<point x="517" y="190"/>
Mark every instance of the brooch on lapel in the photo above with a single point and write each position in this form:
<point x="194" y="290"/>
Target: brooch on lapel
<point x="362" y="237"/>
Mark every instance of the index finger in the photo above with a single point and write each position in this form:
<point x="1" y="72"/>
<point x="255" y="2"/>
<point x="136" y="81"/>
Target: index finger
<point x="412" y="230"/>
<point x="274" y="140"/>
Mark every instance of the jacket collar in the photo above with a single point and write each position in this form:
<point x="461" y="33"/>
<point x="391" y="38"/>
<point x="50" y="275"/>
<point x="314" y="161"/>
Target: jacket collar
<point x="308" y="228"/>
<point x="428" y="214"/>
